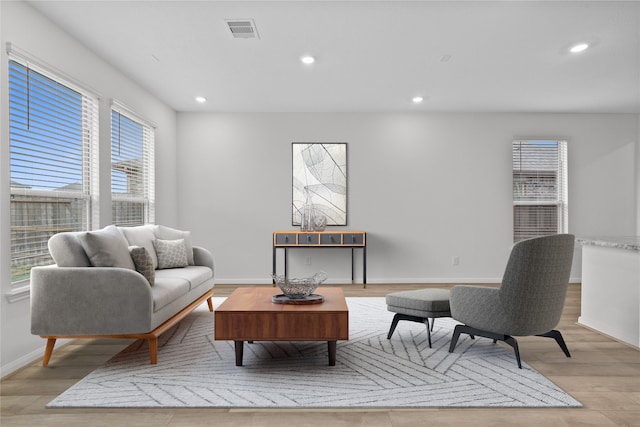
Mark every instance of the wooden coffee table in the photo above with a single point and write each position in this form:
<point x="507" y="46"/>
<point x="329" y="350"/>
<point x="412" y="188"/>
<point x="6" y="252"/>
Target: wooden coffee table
<point x="249" y="315"/>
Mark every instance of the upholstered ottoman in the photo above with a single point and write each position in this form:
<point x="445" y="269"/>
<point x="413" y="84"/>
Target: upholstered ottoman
<point x="418" y="306"/>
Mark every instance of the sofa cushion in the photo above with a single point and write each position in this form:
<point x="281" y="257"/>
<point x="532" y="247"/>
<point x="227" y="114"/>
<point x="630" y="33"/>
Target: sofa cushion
<point x="142" y="261"/>
<point x="142" y="235"/>
<point x="166" y="290"/>
<point x="194" y="274"/>
<point x="171" y="253"/>
<point x="168" y="233"/>
<point x="107" y="248"/>
<point x="66" y="250"/>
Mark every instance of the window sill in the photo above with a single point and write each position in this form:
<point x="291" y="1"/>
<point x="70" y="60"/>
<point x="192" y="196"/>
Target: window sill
<point x="18" y="293"/>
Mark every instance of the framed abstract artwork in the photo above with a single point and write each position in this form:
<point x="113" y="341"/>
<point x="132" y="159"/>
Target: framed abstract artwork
<point x="319" y="181"/>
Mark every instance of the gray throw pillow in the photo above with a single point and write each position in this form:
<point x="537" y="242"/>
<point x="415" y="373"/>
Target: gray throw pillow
<point x="143" y="262"/>
<point x="171" y="253"/>
<point x="107" y="248"/>
<point x="168" y="233"/>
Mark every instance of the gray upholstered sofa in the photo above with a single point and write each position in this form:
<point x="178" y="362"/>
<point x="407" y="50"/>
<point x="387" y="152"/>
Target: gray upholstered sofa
<point x="119" y="282"/>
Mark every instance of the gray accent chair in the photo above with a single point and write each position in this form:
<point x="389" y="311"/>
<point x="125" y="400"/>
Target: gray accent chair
<point x="529" y="301"/>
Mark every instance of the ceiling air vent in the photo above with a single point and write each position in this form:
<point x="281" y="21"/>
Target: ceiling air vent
<point x="242" y="28"/>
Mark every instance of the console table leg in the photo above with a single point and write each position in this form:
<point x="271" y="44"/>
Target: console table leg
<point x="364" y="266"/>
<point x="285" y="263"/>
<point x="273" y="269"/>
<point x="332" y="352"/>
<point x="353" y="278"/>
<point x="239" y="350"/>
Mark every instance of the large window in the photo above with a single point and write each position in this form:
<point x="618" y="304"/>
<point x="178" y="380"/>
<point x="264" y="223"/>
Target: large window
<point x="132" y="169"/>
<point x="52" y="138"/>
<point x="539" y="188"/>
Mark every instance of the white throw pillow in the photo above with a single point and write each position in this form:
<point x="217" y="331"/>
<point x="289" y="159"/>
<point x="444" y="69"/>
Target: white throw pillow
<point x="171" y="253"/>
<point x="168" y="233"/>
<point x="107" y="248"/>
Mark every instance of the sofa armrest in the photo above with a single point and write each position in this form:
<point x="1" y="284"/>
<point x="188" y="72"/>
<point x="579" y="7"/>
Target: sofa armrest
<point x="202" y="256"/>
<point x="71" y="301"/>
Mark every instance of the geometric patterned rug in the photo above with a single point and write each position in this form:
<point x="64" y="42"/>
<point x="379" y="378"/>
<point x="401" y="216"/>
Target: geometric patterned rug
<point x="193" y="371"/>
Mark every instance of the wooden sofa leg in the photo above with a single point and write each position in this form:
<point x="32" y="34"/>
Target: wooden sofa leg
<point x="153" y="350"/>
<point x="51" y="342"/>
<point x="210" y="304"/>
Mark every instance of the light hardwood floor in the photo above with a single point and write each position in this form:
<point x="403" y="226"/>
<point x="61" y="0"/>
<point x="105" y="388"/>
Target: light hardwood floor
<point x="604" y="375"/>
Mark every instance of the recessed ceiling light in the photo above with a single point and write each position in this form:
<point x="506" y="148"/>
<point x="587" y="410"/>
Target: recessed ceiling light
<point x="417" y="99"/>
<point x="201" y="99"/>
<point x="578" y="47"/>
<point x="308" y="59"/>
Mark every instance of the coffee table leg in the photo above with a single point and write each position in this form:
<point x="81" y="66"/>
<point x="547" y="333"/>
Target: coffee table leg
<point x="332" y="352"/>
<point x="239" y="350"/>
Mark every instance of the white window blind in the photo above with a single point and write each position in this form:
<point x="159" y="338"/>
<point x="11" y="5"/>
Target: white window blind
<point x="132" y="169"/>
<point x="540" y="188"/>
<point x="53" y="162"/>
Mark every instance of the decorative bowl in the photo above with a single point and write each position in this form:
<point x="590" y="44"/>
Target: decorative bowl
<point x="299" y="288"/>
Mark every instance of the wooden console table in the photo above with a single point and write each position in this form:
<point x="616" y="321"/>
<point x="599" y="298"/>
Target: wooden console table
<point x="322" y="239"/>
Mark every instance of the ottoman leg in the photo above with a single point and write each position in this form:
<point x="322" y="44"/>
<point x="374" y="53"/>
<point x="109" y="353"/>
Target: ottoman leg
<point x="398" y="317"/>
<point x="423" y="304"/>
<point x="394" y="323"/>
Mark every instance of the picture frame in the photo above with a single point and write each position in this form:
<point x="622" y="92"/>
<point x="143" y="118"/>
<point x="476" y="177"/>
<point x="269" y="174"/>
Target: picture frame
<point x="319" y="181"/>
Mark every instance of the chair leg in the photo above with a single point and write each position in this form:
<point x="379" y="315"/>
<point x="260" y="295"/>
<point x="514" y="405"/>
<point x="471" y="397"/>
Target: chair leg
<point x="556" y="335"/>
<point x="433" y="322"/>
<point x="495" y="337"/>
<point x="428" y="331"/>
<point x="454" y="338"/>
<point x="210" y="304"/>
<point x="513" y="343"/>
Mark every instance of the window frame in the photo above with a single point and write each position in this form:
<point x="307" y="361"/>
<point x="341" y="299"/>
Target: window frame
<point x="537" y="180"/>
<point x="88" y="158"/>
<point x="147" y="198"/>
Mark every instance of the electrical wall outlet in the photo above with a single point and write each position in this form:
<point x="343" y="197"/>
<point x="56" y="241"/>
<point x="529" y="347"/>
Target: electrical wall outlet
<point x="455" y="260"/>
<point x="307" y="260"/>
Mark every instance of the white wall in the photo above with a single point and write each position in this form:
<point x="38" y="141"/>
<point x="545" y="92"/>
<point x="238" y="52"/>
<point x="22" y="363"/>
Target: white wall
<point x="30" y="32"/>
<point x="637" y="181"/>
<point x="425" y="187"/>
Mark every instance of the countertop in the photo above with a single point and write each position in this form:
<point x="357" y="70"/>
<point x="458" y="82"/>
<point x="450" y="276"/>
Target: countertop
<point x="631" y="243"/>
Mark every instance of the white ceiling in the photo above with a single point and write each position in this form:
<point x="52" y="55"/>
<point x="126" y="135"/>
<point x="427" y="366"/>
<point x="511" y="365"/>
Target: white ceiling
<point x="371" y="55"/>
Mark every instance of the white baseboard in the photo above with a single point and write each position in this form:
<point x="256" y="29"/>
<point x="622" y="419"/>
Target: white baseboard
<point x="243" y="282"/>
<point x="21" y="362"/>
<point x="261" y="281"/>
<point x="431" y="280"/>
